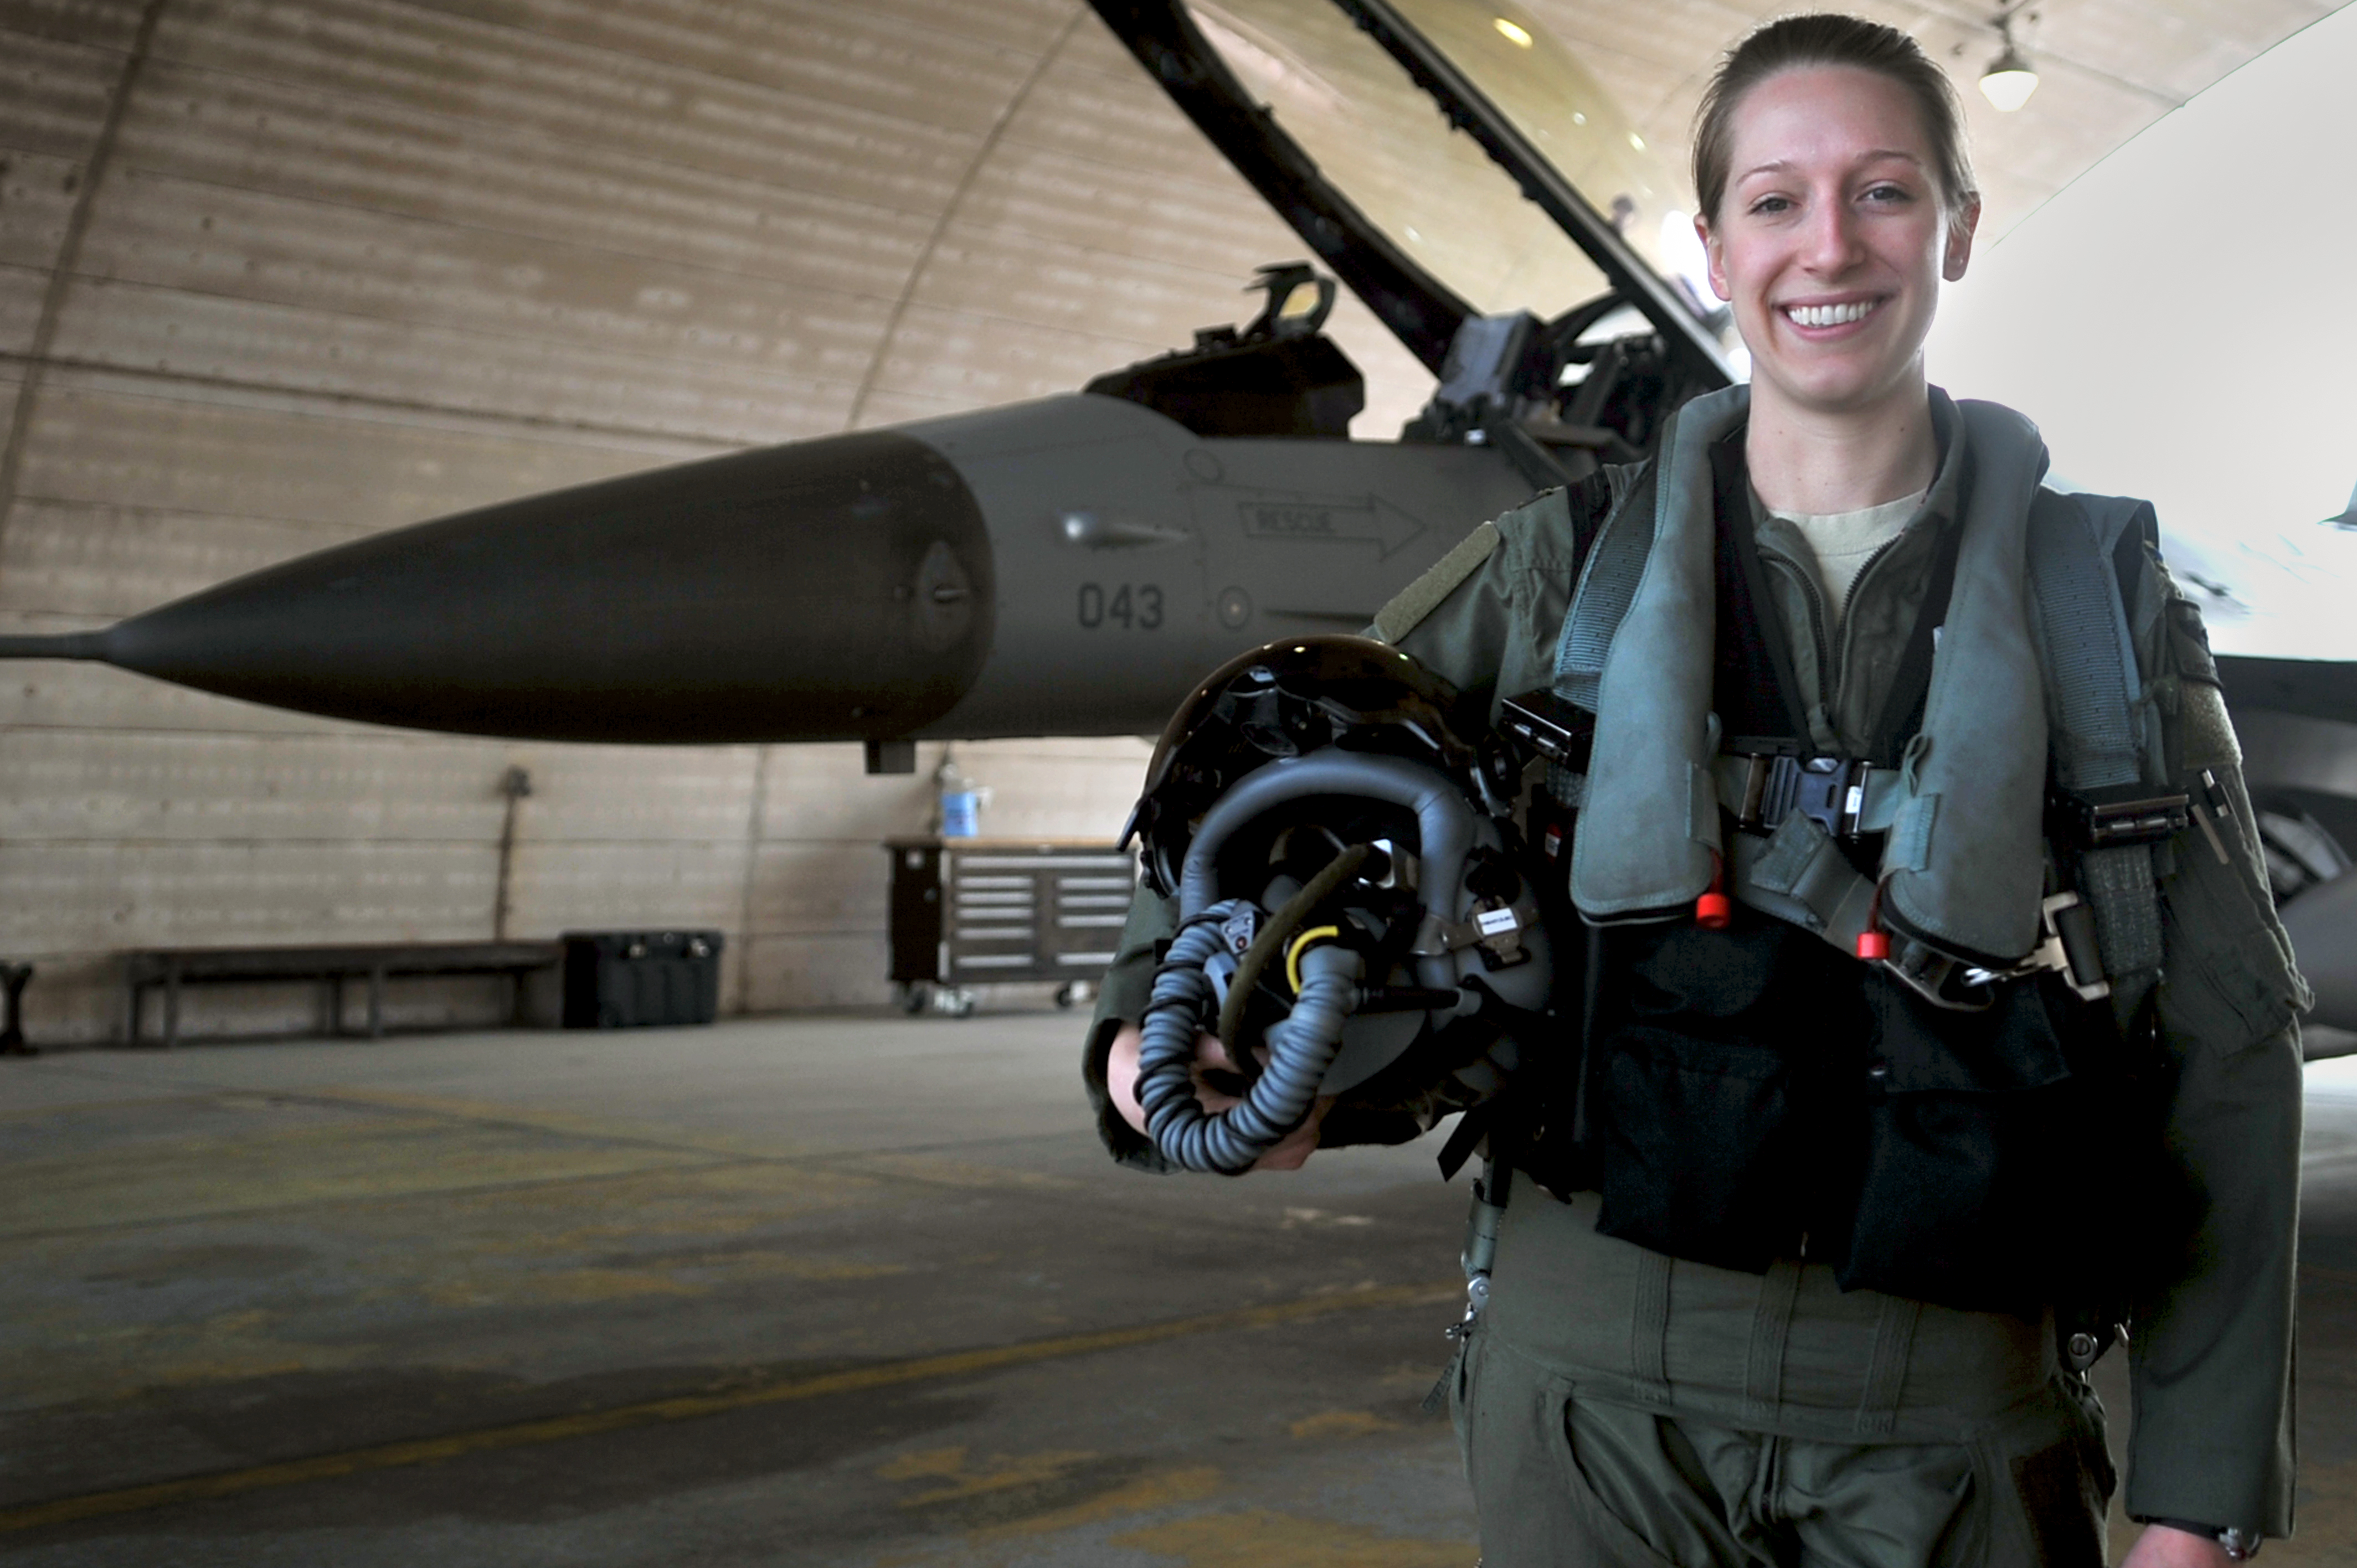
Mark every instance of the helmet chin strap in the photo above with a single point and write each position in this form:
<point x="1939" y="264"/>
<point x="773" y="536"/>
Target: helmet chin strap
<point x="1444" y="821"/>
<point x="1234" y="938"/>
<point x="1274" y="940"/>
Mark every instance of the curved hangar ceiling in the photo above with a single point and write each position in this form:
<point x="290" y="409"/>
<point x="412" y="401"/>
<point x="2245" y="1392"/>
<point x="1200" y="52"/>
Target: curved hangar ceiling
<point x="275" y="274"/>
<point x="252" y="254"/>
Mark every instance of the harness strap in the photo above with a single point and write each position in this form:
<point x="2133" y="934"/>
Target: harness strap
<point x="1608" y="586"/>
<point x="1885" y="1371"/>
<point x="1648" y="1324"/>
<point x="1771" y="1332"/>
<point x="2097" y="703"/>
<point x="1799" y="875"/>
<point x="1600" y="602"/>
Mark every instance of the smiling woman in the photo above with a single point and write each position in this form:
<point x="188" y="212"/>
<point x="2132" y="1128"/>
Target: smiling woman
<point x="1836" y="194"/>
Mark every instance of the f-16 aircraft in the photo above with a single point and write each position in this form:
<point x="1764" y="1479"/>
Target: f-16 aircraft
<point x="1072" y="565"/>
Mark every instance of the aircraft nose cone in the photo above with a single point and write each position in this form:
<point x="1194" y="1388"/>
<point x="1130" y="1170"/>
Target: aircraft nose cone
<point x="830" y="590"/>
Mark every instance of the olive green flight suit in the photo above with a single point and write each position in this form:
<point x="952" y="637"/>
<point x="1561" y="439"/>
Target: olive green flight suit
<point x="1618" y="1407"/>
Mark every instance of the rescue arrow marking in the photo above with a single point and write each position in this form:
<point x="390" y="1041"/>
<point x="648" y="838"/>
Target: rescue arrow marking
<point x="1325" y="519"/>
<point x="689" y="1407"/>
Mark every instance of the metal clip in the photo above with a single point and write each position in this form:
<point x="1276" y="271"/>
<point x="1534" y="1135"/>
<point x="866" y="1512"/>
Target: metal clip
<point x="1477" y="1296"/>
<point x="2214" y="805"/>
<point x="1550" y="725"/>
<point x="1943" y="981"/>
<point x="2068" y="948"/>
<point x="2147" y="819"/>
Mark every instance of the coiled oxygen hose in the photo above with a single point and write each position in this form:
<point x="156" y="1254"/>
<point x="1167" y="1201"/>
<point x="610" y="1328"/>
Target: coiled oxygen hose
<point x="1184" y="1005"/>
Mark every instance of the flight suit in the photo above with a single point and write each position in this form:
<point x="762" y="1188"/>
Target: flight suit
<point x="1620" y="1407"/>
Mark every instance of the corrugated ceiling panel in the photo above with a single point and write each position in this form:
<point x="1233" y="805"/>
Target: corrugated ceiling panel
<point x="80" y="559"/>
<point x="199" y="337"/>
<point x="21" y="291"/>
<point x="291" y="251"/>
<point x="37" y="196"/>
<point x="327" y="467"/>
<point x="53" y="94"/>
<point x="393" y="158"/>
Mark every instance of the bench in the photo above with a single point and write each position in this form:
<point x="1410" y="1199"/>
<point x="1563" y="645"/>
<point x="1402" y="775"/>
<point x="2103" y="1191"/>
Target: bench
<point x="172" y="968"/>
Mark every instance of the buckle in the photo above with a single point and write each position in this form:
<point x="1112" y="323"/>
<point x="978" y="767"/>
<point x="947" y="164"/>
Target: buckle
<point x="2111" y="819"/>
<point x="1829" y="790"/>
<point x="2068" y="948"/>
<point x="1546" y="724"/>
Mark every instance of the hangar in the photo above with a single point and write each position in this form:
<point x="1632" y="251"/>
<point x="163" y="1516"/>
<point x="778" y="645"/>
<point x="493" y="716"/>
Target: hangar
<point x="816" y="1283"/>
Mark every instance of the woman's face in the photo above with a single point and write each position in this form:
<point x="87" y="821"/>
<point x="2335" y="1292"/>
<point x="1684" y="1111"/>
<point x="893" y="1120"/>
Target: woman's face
<point x="1832" y="238"/>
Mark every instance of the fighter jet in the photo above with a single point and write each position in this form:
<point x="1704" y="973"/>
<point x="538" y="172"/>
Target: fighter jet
<point x="1072" y="565"/>
<point x="1069" y="565"/>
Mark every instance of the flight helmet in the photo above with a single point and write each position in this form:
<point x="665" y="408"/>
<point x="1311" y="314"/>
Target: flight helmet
<point x="1353" y="899"/>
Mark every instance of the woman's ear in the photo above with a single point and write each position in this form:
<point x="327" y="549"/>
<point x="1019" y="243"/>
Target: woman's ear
<point x="1960" y="240"/>
<point x="1715" y="258"/>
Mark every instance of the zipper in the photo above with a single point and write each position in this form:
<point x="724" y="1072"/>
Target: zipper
<point x="1816" y="593"/>
<point x="1831" y="676"/>
<point x="1858" y="582"/>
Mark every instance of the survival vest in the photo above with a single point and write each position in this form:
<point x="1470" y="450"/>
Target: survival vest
<point x="1938" y="1119"/>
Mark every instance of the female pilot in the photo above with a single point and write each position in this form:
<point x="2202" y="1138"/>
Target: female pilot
<point x="1729" y="1334"/>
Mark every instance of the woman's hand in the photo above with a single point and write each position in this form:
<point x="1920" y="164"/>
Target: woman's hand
<point x="1121" y="1083"/>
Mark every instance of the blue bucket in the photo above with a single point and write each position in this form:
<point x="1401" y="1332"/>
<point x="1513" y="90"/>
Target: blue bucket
<point x="961" y="813"/>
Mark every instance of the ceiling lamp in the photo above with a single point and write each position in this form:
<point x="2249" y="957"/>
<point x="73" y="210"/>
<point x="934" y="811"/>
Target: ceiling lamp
<point x="2009" y="80"/>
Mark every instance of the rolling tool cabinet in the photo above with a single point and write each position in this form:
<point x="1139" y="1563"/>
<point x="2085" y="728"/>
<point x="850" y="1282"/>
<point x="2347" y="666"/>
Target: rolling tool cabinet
<point x="971" y="912"/>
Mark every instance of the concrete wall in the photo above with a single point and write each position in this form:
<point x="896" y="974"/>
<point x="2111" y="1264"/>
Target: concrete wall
<point x="276" y="275"/>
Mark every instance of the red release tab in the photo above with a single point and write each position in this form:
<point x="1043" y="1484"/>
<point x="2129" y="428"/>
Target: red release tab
<point x="1873" y="946"/>
<point x="1713" y="912"/>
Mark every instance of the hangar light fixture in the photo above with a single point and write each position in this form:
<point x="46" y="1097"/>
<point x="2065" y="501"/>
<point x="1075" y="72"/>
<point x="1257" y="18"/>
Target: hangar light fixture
<point x="2010" y="79"/>
<point x="1514" y="32"/>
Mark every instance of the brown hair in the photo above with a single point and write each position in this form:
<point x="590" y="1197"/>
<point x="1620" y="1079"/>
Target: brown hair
<point x="1829" y="39"/>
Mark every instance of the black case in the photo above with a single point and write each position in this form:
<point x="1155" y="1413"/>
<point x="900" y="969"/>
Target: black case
<point x="635" y="979"/>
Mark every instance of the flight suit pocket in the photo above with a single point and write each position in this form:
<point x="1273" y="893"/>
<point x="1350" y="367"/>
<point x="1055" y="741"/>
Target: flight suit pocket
<point x="2053" y="1483"/>
<point x="2189" y="641"/>
<point x="1537" y="1507"/>
<point x="2227" y="977"/>
<point x="1610" y="1540"/>
<point x="2233" y="995"/>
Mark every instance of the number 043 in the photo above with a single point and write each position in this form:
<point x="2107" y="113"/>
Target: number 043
<point x="1131" y="608"/>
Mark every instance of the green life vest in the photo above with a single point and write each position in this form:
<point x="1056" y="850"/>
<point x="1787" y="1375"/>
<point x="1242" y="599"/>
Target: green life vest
<point x="2034" y="666"/>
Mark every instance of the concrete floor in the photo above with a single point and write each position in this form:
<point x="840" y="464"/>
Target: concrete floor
<point x="852" y="1292"/>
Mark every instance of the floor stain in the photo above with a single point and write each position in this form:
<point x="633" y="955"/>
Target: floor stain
<point x="557" y="1287"/>
<point x="997" y="1474"/>
<point x="1144" y="1494"/>
<point x="224" y="1261"/>
<point x="1341" y="1423"/>
<point x="1259" y="1538"/>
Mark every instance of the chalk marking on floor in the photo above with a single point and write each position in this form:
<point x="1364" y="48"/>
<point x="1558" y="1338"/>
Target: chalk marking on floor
<point x="859" y="1165"/>
<point x="689" y="1407"/>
